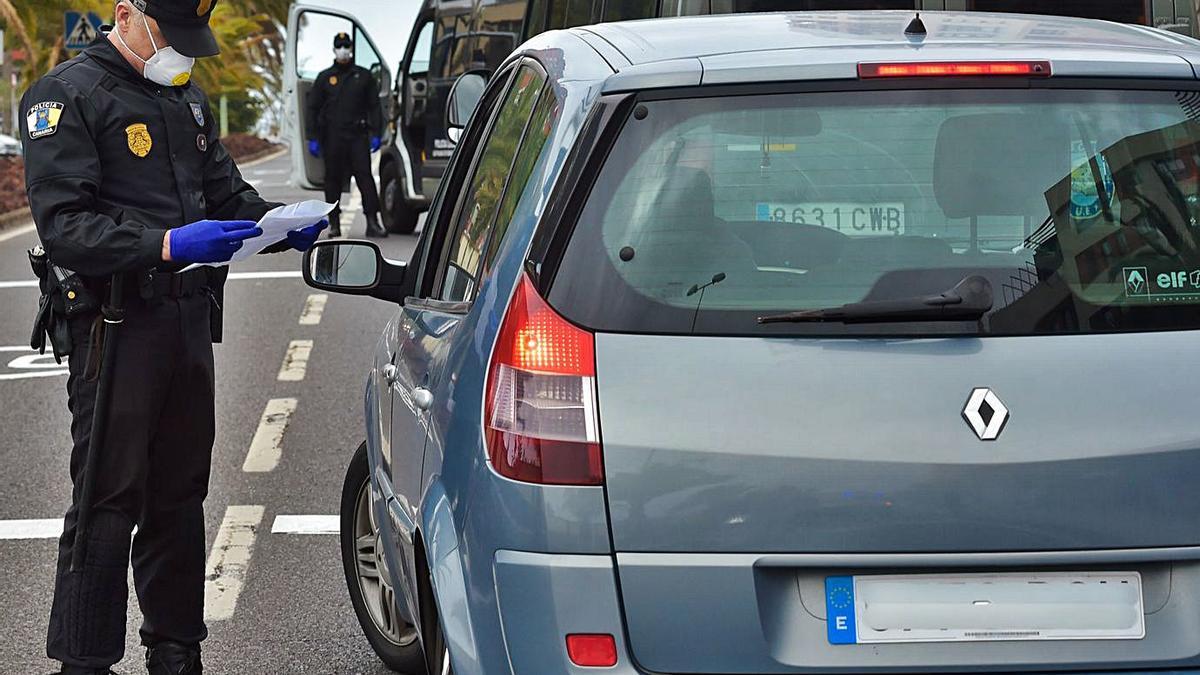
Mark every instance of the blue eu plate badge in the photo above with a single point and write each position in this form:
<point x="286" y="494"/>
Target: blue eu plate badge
<point x="839" y="610"/>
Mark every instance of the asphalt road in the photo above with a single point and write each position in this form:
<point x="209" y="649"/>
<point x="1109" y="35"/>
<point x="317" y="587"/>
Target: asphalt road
<point x="292" y="614"/>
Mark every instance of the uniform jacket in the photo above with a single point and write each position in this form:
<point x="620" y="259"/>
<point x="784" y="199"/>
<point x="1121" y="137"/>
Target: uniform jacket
<point x="343" y="101"/>
<point x="113" y="161"/>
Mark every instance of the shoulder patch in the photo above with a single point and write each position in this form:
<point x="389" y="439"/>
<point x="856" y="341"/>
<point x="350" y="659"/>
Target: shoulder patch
<point x="43" y="119"/>
<point x="333" y="80"/>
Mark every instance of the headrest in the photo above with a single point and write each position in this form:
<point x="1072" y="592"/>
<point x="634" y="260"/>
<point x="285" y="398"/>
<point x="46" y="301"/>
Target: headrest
<point x="998" y="164"/>
<point x="686" y="195"/>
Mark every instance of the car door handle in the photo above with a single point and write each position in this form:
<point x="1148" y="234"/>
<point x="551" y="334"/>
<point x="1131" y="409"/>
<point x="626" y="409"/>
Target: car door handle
<point x="390" y="372"/>
<point x="422" y="398"/>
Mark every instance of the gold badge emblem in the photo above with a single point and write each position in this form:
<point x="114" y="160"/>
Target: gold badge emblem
<point x="333" y="80"/>
<point x="139" y="139"/>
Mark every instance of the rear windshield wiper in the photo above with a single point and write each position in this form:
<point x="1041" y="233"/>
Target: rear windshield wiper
<point x="969" y="300"/>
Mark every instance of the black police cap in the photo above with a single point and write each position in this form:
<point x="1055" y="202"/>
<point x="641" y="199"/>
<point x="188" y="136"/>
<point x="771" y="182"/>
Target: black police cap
<point x="342" y="40"/>
<point x="184" y="23"/>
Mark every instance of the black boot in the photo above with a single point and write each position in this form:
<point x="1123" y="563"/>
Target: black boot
<point x="335" y="224"/>
<point x="172" y="658"/>
<point x="374" y="229"/>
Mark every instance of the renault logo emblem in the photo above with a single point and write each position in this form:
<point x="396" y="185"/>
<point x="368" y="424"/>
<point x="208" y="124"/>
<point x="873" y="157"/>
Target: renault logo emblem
<point x="985" y="414"/>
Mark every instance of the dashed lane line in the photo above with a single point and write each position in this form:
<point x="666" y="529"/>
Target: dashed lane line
<point x="18" y="232"/>
<point x="233" y="276"/>
<point x="314" y="308"/>
<point x="295" y="361"/>
<point x="267" y="447"/>
<point x="45" y="528"/>
<point x="306" y="525"/>
<point x="229" y="561"/>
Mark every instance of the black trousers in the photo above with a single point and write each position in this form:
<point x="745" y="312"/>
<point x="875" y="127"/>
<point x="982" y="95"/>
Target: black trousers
<point x="349" y="156"/>
<point x="153" y="473"/>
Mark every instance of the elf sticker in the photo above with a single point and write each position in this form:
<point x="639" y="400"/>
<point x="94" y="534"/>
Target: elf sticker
<point x="43" y="119"/>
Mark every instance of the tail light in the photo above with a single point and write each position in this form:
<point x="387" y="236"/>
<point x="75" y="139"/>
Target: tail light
<point x="592" y="651"/>
<point x="955" y="69"/>
<point x="540" y="414"/>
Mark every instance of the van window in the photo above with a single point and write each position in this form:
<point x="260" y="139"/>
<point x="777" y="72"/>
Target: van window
<point x="314" y="42"/>
<point x="482" y="197"/>
<point x="699" y="7"/>
<point x="1080" y="208"/>
<point x="1125" y="11"/>
<point x="624" y="10"/>
<point x="419" y="63"/>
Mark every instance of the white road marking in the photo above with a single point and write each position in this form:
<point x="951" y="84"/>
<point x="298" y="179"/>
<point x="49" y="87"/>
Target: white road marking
<point x="306" y="525"/>
<point x="314" y="307"/>
<point x="267" y="172"/>
<point x="32" y="364"/>
<point x="229" y="561"/>
<point x="235" y="276"/>
<point x="32" y="374"/>
<point x="46" y="528"/>
<point x="295" y="361"/>
<point x="267" y="447"/>
<point x="19" y="232"/>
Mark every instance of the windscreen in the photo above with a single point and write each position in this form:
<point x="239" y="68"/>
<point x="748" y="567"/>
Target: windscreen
<point x="1079" y="207"/>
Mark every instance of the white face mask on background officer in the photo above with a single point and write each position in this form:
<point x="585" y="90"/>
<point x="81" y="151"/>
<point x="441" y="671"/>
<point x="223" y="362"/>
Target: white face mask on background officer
<point x="164" y="66"/>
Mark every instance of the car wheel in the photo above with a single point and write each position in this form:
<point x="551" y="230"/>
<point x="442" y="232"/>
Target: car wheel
<point x="371" y="591"/>
<point x="398" y="216"/>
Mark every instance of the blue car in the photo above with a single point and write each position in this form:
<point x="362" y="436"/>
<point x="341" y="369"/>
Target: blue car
<point x="794" y="343"/>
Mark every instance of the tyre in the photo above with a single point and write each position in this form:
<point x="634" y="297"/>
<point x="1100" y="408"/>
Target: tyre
<point x="371" y="592"/>
<point x="399" y="217"/>
<point x="437" y="655"/>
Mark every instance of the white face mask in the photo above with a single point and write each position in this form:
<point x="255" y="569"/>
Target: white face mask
<point x="343" y="54"/>
<point x="167" y="67"/>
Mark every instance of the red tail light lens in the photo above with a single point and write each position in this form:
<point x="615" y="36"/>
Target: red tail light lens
<point x="955" y="69"/>
<point x="540" y="413"/>
<point x="592" y="651"/>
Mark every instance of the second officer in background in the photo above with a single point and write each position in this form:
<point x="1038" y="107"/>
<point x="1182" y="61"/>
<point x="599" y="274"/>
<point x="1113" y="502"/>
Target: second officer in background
<point x="344" y="126"/>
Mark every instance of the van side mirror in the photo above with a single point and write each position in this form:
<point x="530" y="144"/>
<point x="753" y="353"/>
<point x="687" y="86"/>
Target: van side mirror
<point x="464" y="97"/>
<point x="356" y="268"/>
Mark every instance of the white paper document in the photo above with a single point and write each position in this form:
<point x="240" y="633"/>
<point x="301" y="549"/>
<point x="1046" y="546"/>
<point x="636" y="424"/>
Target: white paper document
<point x="276" y="225"/>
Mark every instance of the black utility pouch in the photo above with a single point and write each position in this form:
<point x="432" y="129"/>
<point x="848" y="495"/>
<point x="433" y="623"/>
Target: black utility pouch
<point x="77" y="298"/>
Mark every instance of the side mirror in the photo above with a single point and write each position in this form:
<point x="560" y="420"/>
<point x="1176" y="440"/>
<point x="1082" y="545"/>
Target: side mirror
<point x="355" y="268"/>
<point x="464" y="97"/>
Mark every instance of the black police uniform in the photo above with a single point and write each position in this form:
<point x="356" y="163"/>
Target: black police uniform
<point x="113" y="161"/>
<point x="343" y="114"/>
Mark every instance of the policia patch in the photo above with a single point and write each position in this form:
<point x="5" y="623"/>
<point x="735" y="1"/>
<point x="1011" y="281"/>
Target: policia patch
<point x="43" y="119"/>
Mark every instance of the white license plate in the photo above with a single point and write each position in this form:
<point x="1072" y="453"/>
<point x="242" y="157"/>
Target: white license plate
<point x="984" y="607"/>
<point x="853" y="219"/>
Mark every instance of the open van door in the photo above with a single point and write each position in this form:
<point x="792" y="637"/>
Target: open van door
<point x="311" y="28"/>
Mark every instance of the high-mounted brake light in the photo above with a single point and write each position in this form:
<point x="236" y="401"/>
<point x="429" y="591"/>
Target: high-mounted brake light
<point x="956" y="69"/>
<point x="540" y="415"/>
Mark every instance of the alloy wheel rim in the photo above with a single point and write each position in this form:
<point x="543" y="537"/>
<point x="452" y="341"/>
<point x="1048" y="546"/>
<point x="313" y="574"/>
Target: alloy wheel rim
<point x="373" y="580"/>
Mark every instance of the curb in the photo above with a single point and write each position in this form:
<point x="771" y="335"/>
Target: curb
<point x="15" y="219"/>
<point x="22" y="216"/>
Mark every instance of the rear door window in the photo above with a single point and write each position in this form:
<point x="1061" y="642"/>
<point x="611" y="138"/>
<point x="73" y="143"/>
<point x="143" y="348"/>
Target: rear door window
<point x="1079" y="207"/>
<point x="481" y="201"/>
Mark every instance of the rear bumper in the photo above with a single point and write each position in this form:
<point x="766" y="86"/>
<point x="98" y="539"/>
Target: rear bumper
<point x="736" y="613"/>
<point x="543" y="598"/>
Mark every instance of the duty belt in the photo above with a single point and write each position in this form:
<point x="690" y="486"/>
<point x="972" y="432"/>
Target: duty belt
<point x="155" y="284"/>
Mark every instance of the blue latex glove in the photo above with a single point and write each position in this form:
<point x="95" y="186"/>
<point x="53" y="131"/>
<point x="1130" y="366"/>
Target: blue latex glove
<point x="376" y="143"/>
<point x="314" y="148"/>
<point x="305" y="237"/>
<point x="210" y="241"/>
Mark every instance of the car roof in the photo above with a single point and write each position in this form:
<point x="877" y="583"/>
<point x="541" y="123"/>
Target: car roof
<point x="829" y="45"/>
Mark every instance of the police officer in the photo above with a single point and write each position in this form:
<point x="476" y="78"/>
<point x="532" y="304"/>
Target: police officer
<point x="345" y="124"/>
<point x="129" y="184"/>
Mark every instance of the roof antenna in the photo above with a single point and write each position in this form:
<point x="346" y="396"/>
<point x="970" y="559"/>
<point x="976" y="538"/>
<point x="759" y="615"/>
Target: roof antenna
<point x="916" y="27"/>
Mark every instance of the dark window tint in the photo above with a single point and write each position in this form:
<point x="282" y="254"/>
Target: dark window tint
<point x="622" y="10"/>
<point x="1126" y="11"/>
<point x="1081" y="208"/>
<point x="536" y="21"/>
<point x="482" y="197"/>
<point x="568" y="13"/>
<point x="536" y="135"/>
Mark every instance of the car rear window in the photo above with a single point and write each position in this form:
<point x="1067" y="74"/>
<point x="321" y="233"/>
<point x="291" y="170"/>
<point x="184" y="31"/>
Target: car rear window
<point x="1078" y="206"/>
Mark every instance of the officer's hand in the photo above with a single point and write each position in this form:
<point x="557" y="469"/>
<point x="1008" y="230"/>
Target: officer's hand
<point x="314" y="148"/>
<point x="376" y="143"/>
<point x="210" y="241"/>
<point x="304" y="238"/>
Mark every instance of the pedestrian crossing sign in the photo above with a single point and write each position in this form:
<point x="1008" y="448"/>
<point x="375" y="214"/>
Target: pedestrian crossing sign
<point x="81" y="29"/>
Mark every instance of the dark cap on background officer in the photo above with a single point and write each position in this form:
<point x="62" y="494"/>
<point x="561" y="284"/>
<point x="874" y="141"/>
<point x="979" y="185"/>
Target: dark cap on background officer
<point x="344" y="123"/>
<point x="129" y="184"/>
